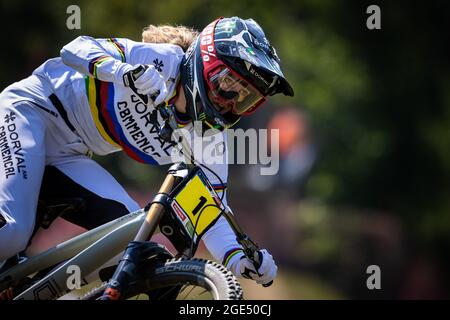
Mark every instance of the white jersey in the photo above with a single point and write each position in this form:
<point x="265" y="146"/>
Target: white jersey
<point x="108" y="116"/>
<point x="80" y="88"/>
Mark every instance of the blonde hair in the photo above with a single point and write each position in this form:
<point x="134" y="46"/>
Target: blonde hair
<point x="179" y="35"/>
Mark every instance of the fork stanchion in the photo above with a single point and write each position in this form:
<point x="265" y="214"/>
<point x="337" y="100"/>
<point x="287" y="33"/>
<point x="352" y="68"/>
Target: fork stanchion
<point x="131" y="258"/>
<point x="155" y="212"/>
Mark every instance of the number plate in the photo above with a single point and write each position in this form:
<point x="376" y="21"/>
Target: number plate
<point x="196" y="205"/>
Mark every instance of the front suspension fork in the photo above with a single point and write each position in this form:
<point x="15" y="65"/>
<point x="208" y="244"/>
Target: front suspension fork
<point x="133" y="254"/>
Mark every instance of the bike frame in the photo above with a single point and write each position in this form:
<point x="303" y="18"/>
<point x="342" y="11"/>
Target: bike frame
<point x="88" y="251"/>
<point x="94" y="248"/>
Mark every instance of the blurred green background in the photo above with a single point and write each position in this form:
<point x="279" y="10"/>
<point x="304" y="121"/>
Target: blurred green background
<point x="365" y="169"/>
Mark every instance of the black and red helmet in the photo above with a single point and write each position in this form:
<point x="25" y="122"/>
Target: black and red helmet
<point x="229" y="71"/>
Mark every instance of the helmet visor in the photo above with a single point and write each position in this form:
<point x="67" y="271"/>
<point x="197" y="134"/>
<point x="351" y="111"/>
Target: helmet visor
<point x="230" y="92"/>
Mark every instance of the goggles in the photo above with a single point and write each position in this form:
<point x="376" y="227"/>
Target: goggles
<point x="228" y="91"/>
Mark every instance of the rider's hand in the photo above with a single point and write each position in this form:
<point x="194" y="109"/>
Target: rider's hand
<point x="144" y="80"/>
<point x="242" y="267"/>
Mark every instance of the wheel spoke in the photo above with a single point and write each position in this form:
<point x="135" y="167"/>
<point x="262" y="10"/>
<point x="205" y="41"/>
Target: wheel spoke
<point x="183" y="288"/>
<point x="189" y="292"/>
<point x="203" y="292"/>
<point x="169" y="291"/>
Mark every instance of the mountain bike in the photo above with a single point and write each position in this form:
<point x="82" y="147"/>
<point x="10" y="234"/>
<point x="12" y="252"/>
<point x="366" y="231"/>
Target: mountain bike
<point x="185" y="207"/>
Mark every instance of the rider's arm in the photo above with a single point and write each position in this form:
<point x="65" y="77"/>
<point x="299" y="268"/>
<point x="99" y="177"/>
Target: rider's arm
<point x="220" y="239"/>
<point x="105" y="58"/>
<point x="122" y="61"/>
<point x="100" y="58"/>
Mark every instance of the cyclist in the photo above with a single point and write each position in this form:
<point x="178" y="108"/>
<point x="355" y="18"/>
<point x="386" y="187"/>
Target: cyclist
<point x="93" y="99"/>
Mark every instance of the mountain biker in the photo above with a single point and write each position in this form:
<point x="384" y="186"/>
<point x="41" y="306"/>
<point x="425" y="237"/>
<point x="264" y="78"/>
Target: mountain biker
<point x="90" y="101"/>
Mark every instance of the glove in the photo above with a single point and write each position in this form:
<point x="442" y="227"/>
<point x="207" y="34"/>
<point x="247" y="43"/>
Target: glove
<point x="242" y="267"/>
<point x="144" y="80"/>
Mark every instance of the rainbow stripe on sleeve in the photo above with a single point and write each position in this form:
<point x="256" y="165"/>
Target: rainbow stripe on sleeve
<point x="101" y="102"/>
<point x="230" y="254"/>
<point x="119" y="47"/>
<point x="94" y="63"/>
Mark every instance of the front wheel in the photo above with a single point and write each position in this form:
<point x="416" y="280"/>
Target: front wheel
<point x="180" y="279"/>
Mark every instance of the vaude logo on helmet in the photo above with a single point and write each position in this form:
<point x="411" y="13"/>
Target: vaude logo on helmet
<point x="189" y="72"/>
<point x="187" y="69"/>
<point x="190" y="51"/>
<point x="188" y="64"/>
